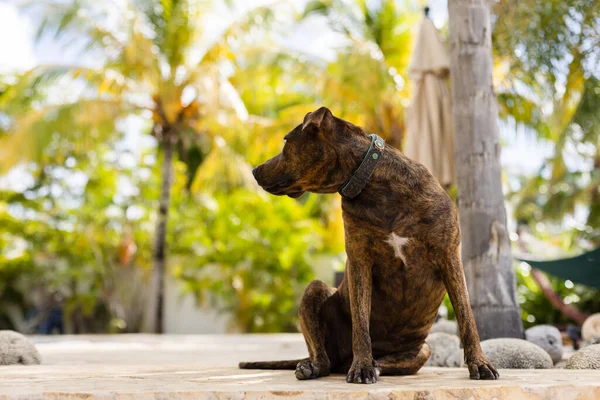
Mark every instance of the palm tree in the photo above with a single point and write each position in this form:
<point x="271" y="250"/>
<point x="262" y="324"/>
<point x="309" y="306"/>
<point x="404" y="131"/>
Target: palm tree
<point x="156" y="61"/>
<point x="367" y="80"/>
<point x="486" y="250"/>
<point x="552" y="88"/>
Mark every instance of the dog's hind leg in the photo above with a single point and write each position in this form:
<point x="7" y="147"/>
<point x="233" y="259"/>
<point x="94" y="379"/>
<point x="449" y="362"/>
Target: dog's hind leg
<point x="314" y="326"/>
<point x="404" y="363"/>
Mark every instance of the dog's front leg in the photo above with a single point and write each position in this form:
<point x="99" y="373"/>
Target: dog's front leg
<point x="454" y="280"/>
<point x="359" y="269"/>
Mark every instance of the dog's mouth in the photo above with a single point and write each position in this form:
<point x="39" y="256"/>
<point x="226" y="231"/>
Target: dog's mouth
<point x="285" y="188"/>
<point x="295" y="195"/>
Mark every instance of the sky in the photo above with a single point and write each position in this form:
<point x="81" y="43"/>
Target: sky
<point x="521" y="153"/>
<point x="16" y="34"/>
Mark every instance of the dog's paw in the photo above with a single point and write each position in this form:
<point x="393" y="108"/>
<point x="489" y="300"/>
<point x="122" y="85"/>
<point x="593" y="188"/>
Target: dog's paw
<point x="309" y="369"/>
<point x="363" y="372"/>
<point x="481" y="368"/>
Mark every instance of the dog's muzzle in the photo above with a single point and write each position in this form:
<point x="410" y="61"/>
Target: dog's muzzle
<point x="284" y="185"/>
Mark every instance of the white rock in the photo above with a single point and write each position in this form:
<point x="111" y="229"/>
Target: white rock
<point x="17" y="349"/>
<point x="586" y="358"/>
<point x="591" y="327"/>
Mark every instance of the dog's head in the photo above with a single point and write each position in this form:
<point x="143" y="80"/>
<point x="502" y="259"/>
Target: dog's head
<point x="319" y="155"/>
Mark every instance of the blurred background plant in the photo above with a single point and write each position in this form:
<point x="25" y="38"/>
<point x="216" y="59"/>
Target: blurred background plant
<point x="75" y="244"/>
<point x="549" y="83"/>
<point x="536" y="308"/>
<point x="246" y="256"/>
<point x="182" y="97"/>
<point x="547" y="56"/>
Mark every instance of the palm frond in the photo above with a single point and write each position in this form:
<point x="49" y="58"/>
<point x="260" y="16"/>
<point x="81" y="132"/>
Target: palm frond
<point x="79" y="125"/>
<point x="98" y="82"/>
<point x="175" y="23"/>
<point x="219" y="47"/>
<point x="523" y="111"/>
<point x="119" y="33"/>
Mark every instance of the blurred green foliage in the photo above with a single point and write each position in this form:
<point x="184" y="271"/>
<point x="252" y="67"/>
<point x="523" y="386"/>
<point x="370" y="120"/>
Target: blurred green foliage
<point x="548" y="54"/>
<point x="66" y="242"/>
<point x="252" y="253"/>
<point x="537" y="309"/>
<point x="79" y="238"/>
<point x="158" y="64"/>
<point x="547" y="57"/>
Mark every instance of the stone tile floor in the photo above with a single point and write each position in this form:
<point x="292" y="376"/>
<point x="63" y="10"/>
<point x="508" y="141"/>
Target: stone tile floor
<point x="203" y="367"/>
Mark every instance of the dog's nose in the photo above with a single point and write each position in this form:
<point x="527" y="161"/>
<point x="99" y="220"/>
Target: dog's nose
<point x="255" y="171"/>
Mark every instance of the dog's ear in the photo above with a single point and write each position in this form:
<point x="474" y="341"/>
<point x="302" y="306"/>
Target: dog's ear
<point x="322" y="120"/>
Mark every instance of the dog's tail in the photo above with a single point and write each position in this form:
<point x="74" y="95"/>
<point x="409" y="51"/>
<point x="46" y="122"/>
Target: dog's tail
<point x="284" y="364"/>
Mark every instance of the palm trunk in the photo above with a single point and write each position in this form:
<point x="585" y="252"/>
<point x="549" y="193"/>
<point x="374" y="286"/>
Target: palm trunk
<point x="486" y="248"/>
<point x="156" y="310"/>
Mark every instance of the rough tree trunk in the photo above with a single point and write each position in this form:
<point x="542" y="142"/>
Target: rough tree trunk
<point x="486" y="251"/>
<point x="156" y="310"/>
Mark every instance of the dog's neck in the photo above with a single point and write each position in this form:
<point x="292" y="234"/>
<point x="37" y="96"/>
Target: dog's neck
<point x="394" y="169"/>
<point x="354" y="149"/>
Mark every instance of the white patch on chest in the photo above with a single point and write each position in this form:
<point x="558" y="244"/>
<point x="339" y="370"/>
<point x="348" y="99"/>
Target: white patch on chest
<point x="397" y="243"/>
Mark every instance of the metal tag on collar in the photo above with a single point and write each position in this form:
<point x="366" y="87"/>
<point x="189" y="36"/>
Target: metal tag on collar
<point x="379" y="143"/>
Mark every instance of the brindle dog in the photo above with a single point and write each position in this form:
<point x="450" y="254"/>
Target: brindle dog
<point x="403" y="246"/>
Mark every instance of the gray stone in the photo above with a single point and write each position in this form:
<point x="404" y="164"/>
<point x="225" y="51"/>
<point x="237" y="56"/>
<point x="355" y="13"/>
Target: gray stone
<point x="456" y="360"/>
<point x="17" y="349"/>
<point x="443" y="345"/>
<point x="586" y="358"/>
<point x="591" y="327"/>
<point x="561" y="364"/>
<point x="548" y="338"/>
<point x="516" y="354"/>
<point x="594" y="340"/>
<point x="443" y="325"/>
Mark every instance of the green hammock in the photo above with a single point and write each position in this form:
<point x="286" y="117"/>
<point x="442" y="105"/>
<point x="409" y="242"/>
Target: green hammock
<point x="584" y="268"/>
